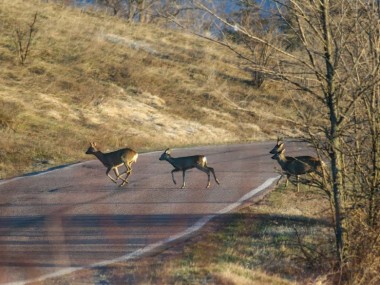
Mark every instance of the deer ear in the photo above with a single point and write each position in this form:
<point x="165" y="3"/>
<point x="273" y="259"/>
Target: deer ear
<point x="167" y="151"/>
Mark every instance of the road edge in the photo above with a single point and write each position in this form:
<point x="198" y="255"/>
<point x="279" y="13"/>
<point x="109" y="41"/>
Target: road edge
<point x="158" y="245"/>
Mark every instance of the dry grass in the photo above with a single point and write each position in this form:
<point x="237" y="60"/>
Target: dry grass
<point x="93" y="77"/>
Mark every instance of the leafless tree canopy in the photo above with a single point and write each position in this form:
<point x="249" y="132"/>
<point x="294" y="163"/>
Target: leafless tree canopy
<point x="328" y="51"/>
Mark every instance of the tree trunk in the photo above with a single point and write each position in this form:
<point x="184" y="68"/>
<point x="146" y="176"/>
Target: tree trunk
<point x="335" y="153"/>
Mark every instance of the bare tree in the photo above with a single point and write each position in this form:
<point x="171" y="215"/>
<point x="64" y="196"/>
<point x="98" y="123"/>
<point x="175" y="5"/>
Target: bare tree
<point x="132" y="10"/>
<point x="333" y="63"/>
<point x="249" y="15"/>
<point x="24" y="39"/>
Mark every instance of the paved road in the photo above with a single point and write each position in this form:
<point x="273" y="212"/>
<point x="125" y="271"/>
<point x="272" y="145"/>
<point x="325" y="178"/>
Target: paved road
<point x="62" y="220"/>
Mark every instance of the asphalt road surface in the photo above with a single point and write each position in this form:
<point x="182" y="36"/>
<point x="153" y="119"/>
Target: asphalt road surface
<point x="59" y="221"/>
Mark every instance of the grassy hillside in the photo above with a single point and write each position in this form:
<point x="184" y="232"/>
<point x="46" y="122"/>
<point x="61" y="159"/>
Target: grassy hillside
<point x="90" y="77"/>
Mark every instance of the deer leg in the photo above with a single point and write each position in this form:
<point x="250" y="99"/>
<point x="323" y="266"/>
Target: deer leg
<point x="287" y="180"/>
<point x="206" y="170"/>
<point x="118" y="176"/>
<point x="125" y="181"/>
<point x="174" y="170"/>
<point x="107" y="173"/>
<point x="183" y="179"/>
<point x="128" y="171"/>
<point x="298" y="184"/>
<point x="116" y="171"/>
<point x="213" y="173"/>
<point x="278" y="181"/>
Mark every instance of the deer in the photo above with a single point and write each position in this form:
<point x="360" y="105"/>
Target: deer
<point x="295" y="165"/>
<point x="188" y="162"/>
<point x="280" y="146"/>
<point x="114" y="160"/>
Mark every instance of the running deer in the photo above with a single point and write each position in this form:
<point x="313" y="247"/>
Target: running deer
<point x="295" y="165"/>
<point x="188" y="162"/>
<point x="113" y="160"/>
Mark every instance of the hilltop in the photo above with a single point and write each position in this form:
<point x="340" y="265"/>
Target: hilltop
<point x="93" y="77"/>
